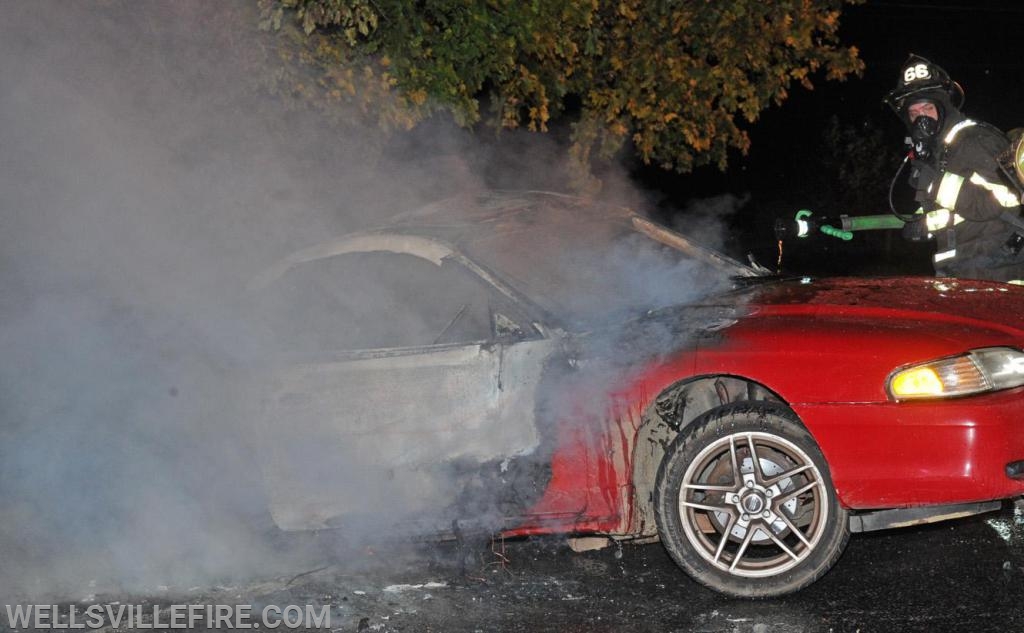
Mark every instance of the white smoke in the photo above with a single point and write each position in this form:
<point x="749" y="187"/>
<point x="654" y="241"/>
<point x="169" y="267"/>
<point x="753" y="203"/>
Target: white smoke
<point x="143" y="182"/>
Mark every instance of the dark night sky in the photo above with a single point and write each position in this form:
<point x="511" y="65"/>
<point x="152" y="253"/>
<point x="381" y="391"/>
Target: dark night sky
<point x="978" y="43"/>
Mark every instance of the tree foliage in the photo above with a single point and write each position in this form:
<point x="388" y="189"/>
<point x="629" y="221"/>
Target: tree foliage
<point x="676" y="80"/>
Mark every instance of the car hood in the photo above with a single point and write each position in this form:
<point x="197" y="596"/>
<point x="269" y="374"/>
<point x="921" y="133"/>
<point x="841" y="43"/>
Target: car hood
<point x="838" y="339"/>
<point x="941" y="315"/>
<point x="985" y="304"/>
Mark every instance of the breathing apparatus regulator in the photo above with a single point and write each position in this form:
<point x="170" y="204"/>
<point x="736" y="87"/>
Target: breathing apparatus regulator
<point x="923" y="131"/>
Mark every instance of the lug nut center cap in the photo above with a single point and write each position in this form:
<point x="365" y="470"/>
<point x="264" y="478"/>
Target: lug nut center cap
<point x="753" y="503"/>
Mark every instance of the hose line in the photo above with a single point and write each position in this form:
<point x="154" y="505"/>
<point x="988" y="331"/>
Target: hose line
<point x="892" y="186"/>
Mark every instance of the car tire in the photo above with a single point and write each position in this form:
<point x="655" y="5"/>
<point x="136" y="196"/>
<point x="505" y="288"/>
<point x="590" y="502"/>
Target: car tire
<point x="746" y="531"/>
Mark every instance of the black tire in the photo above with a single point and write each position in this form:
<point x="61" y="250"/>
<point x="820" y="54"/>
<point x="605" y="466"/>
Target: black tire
<point x="749" y="532"/>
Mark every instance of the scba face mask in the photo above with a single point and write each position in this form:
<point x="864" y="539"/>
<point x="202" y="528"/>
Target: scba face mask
<point x="923" y="131"/>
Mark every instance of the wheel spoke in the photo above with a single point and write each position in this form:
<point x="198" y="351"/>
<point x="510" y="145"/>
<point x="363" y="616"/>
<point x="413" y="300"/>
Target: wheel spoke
<point x="743" y="548"/>
<point x="737" y="477"/>
<point x="725" y="538"/>
<point x="709" y="508"/>
<point x="784" y="547"/>
<point x="710" y="487"/>
<point x="794" y="529"/>
<point x="788" y="474"/>
<point x="796" y="493"/>
<point x="755" y="463"/>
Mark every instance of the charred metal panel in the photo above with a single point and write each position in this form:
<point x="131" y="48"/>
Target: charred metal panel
<point x="678" y="241"/>
<point x="379" y="434"/>
<point x="422" y="247"/>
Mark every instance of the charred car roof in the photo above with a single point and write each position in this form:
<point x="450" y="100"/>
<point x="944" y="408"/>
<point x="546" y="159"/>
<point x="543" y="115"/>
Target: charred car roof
<point x="567" y="256"/>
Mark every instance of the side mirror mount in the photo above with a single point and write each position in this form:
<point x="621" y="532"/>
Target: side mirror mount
<point x="504" y="327"/>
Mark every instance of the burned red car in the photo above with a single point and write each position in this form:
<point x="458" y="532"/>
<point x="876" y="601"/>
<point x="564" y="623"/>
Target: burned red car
<point x="538" y="364"/>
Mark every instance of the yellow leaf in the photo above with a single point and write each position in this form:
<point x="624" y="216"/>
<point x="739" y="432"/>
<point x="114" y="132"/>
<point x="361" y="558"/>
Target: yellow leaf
<point x="419" y="97"/>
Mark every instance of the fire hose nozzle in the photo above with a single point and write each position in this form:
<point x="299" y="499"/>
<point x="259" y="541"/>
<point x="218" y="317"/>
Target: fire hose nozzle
<point x="842" y="227"/>
<point x="802" y="225"/>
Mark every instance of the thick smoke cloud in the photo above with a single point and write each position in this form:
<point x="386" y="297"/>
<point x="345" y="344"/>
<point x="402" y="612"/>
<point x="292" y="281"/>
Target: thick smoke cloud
<point x="143" y="181"/>
<point x="141" y="184"/>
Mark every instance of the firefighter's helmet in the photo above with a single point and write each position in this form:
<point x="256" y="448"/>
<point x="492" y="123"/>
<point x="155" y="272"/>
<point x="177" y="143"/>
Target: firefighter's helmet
<point x="922" y="80"/>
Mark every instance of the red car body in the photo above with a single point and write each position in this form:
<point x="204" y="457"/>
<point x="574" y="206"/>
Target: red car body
<point x="826" y="348"/>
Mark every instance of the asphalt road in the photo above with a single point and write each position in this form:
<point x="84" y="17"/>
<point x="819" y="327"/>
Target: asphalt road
<point x="966" y="575"/>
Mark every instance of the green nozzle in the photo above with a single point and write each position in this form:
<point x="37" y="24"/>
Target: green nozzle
<point x="834" y="232"/>
<point x="803" y="227"/>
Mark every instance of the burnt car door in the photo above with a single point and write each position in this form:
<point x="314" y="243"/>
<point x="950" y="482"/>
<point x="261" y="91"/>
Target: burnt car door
<point x="402" y="380"/>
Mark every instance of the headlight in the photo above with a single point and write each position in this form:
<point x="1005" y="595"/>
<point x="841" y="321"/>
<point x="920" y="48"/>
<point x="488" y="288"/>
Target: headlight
<point x="976" y="371"/>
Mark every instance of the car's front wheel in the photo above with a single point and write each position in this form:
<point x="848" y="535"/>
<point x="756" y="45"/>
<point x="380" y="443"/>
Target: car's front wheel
<point x="745" y="503"/>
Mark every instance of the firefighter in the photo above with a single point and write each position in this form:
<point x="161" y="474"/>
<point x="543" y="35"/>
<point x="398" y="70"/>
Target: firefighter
<point x="967" y="202"/>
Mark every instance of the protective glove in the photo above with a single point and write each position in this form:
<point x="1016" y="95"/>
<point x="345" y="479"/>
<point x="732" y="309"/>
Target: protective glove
<point x="916" y="230"/>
